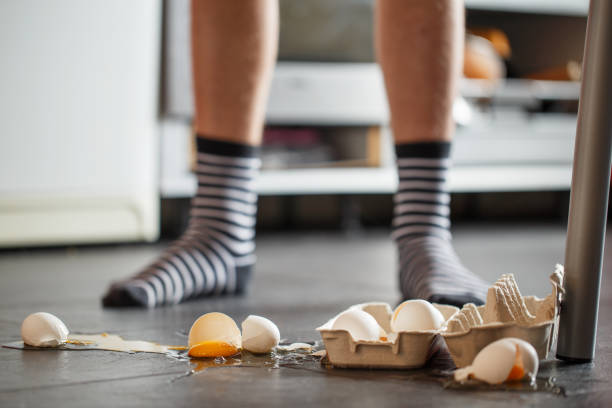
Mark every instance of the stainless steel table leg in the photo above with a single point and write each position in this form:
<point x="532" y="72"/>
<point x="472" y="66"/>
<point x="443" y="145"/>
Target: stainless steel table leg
<point x="590" y="188"/>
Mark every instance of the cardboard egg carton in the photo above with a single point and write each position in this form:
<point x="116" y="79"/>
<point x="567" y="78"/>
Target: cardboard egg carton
<point x="399" y="350"/>
<point x="506" y="313"/>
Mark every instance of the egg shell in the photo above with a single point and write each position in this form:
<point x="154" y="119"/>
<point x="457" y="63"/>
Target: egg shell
<point x="43" y="330"/>
<point x="494" y="363"/>
<point x="259" y="335"/>
<point x="361" y="325"/>
<point x="416" y="315"/>
<point x="215" y="326"/>
<point x="531" y="362"/>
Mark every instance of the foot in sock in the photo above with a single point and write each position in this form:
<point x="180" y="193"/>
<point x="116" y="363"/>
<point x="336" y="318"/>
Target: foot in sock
<point x="215" y="255"/>
<point x="429" y="268"/>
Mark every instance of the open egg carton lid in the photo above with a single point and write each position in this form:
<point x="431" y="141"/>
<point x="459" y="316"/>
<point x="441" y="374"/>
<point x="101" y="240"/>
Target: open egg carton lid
<point x="506" y="313"/>
<point x="398" y="350"/>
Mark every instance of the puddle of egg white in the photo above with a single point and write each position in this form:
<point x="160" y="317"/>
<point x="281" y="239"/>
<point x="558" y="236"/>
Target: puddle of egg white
<point x="284" y="355"/>
<point x="113" y="342"/>
<point x="290" y="355"/>
<point x="105" y="341"/>
<point x="540" y="384"/>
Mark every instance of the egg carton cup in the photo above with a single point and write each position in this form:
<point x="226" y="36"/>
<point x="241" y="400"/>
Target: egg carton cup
<point x="505" y="314"/>
<point x="400" y="350"/>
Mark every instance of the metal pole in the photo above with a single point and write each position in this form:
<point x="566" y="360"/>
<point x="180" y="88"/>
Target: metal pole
<point x="590" y="188"/>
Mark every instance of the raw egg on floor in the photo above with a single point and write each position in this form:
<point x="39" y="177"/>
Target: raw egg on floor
<point x="416" y="314"/>
<point x="113" y="342"/>
<point x="214" y="335"/>
<point x="508" y="359"/>
<point x="43" y="329"/>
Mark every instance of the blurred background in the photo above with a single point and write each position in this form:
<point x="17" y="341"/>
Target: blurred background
<point x="96" y="109"/>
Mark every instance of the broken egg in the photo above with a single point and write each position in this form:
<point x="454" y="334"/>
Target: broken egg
<point x="507" y="359"/>
<point x="361" y="325"/>
<point x="43" y="330"/>
<point x="415" y="315"/>
<point x="259" y="335"/>
<point x="214" y="335"/>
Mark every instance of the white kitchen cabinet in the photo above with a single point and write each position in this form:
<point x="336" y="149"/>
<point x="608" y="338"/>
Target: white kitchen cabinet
<point x="79" y="121"/>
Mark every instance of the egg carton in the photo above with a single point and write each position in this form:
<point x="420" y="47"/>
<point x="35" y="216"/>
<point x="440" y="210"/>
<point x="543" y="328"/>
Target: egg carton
<point x="506" y="313"/>
<point x="400" y="351"/>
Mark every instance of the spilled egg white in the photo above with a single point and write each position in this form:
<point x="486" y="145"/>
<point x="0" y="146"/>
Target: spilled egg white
<point x="507" y="359"/>
<point x="259" y="335"/>
<point x="43" y="330"/>
<point x="414" y="315"/>
<point x="361" y="325"/>
<point x="214" y="335"/>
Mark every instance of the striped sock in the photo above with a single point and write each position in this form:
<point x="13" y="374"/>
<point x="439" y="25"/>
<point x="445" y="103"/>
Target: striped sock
<point x="429" y="268"/>
<point x="215" y="255"/>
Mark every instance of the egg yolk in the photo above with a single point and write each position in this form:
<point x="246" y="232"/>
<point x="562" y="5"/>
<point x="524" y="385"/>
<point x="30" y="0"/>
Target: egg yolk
<point x="212" y="349"/>
<point x="518" y="371"/>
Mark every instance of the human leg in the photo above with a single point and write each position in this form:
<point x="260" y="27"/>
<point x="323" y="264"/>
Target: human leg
<point x="234" y="49"/>
<point x="419" y="46"/>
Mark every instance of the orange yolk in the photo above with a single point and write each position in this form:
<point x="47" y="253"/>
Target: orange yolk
<point x="383" y="338"/>
<point x="213" y="349"/>
<point x="518" y="371"/>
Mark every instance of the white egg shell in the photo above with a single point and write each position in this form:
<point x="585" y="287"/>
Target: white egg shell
<point x="361" y="325"/>
<point x="215" y="326"/>
<point x="414" y="315"/>
<point x="43" y="330"/>
<point x="494" y="363"/>
<point x="259" y="335"/>
<point x="531" y="362"/>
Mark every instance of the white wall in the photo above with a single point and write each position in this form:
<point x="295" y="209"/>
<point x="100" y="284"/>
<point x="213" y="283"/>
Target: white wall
<point x="79" y="120"/>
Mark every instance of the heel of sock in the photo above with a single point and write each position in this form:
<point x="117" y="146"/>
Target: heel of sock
<point x="456" y="300"/>
<point x="243" y="278"/>
<point x="124" y="297"/>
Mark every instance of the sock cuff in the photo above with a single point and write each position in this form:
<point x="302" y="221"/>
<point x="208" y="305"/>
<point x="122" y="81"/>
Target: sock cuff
<point x="222" y="148"/>
<point x="433" y="150"/>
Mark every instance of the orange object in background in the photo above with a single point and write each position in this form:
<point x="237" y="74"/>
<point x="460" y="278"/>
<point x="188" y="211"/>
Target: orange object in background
<point x="481" y="60"/>
<point x="571" y="71"/>
<point x="497" y="37"/>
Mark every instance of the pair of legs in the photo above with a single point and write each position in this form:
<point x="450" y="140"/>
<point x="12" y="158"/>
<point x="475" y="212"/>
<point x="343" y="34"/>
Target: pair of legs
<point x="419" y="46"/>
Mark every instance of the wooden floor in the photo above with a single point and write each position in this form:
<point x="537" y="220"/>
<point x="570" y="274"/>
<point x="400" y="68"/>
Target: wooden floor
<point x="301" y="281"/>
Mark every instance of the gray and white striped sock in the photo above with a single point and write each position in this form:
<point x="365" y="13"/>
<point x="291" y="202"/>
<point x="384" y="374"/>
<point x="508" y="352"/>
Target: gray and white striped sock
<point x="429" y="268"/>
<point x="215" y="255"/>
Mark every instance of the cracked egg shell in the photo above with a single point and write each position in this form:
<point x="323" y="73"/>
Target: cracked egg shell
<point x="214" y="335"/>
<point x="43" y="330"/>
<point x="259" y="335"/>
<point x="507" y="359"/>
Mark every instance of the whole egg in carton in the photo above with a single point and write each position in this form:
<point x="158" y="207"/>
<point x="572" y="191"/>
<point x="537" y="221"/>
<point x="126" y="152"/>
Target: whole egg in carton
<point x="402" y="349"/>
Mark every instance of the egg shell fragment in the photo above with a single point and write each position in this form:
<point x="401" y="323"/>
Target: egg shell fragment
<point x="500" y="361"/>
<point x="214" y="335"/>
<point x="361" y="325"/>
<point x="259" y="335"/>
<point x="43" y="329"/>
<point x="416" y="315"/>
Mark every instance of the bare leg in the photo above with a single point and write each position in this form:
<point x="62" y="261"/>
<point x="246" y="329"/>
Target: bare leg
<point x="234" y="46"/>
<point x="419" y="47"/>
